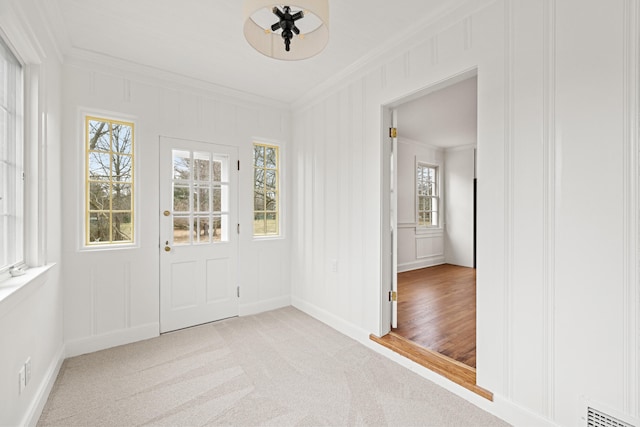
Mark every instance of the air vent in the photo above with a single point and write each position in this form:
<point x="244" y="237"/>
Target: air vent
<point x="596" y="418"/>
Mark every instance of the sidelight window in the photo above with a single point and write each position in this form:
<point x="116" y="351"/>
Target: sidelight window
<point x="109" y="157"/>
<point x="266" y="190"/>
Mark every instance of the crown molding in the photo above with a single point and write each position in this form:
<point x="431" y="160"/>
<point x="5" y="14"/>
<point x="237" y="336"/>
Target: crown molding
<point x="406" y="40"/>
<point x="106" y="64"/>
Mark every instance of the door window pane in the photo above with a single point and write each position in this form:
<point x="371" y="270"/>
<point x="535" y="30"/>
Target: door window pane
<point x="200" y="197"/>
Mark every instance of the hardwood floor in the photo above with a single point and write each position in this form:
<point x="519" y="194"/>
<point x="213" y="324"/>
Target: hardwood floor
<point x="457" y="372"/>
<point x="437" y="310"/>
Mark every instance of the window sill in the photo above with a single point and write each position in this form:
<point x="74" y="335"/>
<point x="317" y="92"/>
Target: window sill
<point x="267" y="238"/>
<point x="15" y="289"/>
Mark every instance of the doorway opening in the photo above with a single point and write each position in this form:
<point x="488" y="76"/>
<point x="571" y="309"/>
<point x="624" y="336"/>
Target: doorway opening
<point x="432" y="173"/>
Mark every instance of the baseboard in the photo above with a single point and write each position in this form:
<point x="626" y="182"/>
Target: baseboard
<point x="262" y="306"/>
<point x="112" y="339"/>
<point x="416" y="265"/>
<point x="337" y="323"/>
<point x="37" y="405"/>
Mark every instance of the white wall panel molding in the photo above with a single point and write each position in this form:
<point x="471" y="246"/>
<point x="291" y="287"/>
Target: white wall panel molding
<point x="264" y="305"/>
<point x="127" y="294"/>
<point x="509" y="156"/>
<point x="111" y="339"/>
<point x="407" y="64"/>
<point x="468" y="33"/>
<point x="434" y="50"/>
<point x="92" y="83"/>
<point x="92" y="296"/>
<point x="126" y="91"/>
<point x="408" y="141"/>
<point x="148" y="75"/>
<point x="407" y="225"/>
<point x="549" y="198"/>
<point x="631" y="185"/>
<point x="414" y="37"/>
<point x="429" y="246"/>
<point x="461" y="148"/>
<point x="423" y="263"/>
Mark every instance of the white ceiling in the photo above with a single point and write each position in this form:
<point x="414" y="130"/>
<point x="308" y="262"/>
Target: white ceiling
<point x="203" y="39"/>
<point x="445" y="118"/>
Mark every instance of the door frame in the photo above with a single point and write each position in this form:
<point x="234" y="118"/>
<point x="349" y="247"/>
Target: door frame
<point x="388" y="259"/>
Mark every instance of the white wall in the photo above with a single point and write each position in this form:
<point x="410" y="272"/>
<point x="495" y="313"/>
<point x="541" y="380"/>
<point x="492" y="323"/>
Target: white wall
<point x="557" y="123"/>
<point x="31" y="318"/>
<point x="111" y="296"/>
<point x="416" y="248"/>
<point x="458" y="198"/>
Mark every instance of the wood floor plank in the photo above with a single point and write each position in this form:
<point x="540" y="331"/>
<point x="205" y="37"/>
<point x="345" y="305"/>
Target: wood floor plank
<point x="437" y="310"/>
<point x="457" y="372"/>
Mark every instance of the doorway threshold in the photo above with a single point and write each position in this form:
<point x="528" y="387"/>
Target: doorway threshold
<point x="449" y="368"/>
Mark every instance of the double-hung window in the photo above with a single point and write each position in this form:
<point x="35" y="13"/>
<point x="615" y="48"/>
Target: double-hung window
<point x="11" y="161"/>
<point x="428" y="197"/>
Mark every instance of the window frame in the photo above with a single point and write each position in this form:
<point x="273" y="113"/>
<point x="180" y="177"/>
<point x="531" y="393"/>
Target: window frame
<point x="84" y="234"/>
<point x="437" y="196"/>
<point x="279" y="196"/>
<point x="17" y="190"/>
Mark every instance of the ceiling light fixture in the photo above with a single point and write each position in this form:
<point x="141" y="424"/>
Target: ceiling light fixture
<point x="300" y="31"/>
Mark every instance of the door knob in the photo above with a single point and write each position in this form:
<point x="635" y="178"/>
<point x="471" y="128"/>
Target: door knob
<point x="167" y="248"/>
<point x="166" y="213"/>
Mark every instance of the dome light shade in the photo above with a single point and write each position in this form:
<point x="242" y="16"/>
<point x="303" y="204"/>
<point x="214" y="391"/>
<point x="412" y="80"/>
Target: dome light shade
<point x="287" y="31"/>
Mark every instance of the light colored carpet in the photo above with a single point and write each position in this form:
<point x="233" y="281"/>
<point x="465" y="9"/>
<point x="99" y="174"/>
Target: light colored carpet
<point x="280" y="368"/>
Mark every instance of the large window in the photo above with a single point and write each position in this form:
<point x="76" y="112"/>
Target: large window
<point x="266" y="216"/>
<point x="11" y="161"/>
<point x="109" y="182"/>
<point x="427" y="195"/>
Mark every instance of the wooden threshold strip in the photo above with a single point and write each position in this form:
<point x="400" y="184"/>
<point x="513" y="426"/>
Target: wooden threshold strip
<point x="457" y="372"/>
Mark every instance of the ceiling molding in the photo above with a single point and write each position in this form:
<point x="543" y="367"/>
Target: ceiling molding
<point x="20" y="34"/>
<point x="406" y="40"/>
<point x="54" y="26"/>
<point x="142" y="73"/>
<point x="461" y="148"/>
<point x="408" y="141"/>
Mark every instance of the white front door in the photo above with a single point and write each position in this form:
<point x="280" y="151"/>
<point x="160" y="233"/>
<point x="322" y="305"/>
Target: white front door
<point x="199" y="241"/>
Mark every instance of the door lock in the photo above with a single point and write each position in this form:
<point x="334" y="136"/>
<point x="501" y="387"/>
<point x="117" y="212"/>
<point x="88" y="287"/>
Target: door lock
<point x="166" y="213"/>
<point x="167" y="248"/>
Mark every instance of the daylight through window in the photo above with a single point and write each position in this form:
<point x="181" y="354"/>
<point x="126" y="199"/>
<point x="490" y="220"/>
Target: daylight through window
<point x="427" y="195"/>
<point x="266" y="217"/>
<point x="109" y="181"/>
<point x="11" y="161"/>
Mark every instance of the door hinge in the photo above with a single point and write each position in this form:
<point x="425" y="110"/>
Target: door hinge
<point x="238" y="229"/>
<point x="393" y="296"/>
<point x="393" y="132"/>
<point x="238" y="164"/>
<point x="238" y="291"/>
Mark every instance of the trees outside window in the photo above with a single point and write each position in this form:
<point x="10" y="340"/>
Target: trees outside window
<point x="427" y="195"/>
<point x="109" y="181"/>
<point x="266" y="216"/>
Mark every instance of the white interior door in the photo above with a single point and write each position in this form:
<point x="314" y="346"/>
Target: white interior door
<point x="198" y="232"/>
<point x="394" y="220"/>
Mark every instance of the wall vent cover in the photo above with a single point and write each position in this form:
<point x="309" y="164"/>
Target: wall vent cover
<point x="596" y="418"/>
